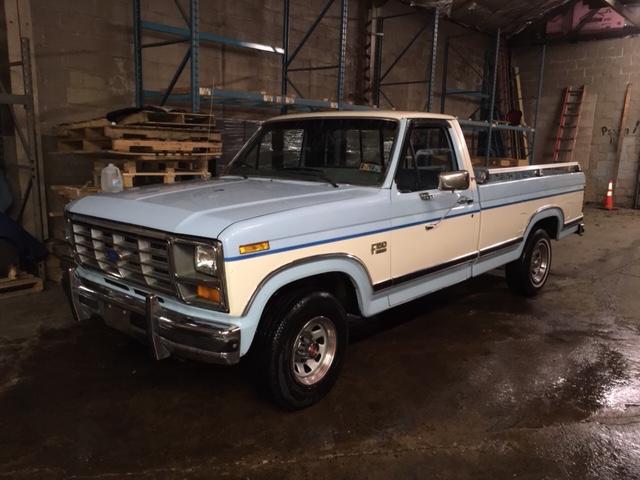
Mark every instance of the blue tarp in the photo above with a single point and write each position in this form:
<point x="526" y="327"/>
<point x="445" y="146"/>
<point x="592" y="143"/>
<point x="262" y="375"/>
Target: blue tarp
<point x="6" y="199"/>
<point x="29" y="248"/>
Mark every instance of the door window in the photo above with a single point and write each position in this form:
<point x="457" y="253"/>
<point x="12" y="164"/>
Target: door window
<point x="426" y="152"/>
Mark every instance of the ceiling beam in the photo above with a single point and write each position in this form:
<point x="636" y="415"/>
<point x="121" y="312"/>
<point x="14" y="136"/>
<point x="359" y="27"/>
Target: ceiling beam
<point x="629" y="16"/>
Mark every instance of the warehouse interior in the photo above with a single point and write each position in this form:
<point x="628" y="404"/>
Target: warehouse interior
<point x="511" y="72"/>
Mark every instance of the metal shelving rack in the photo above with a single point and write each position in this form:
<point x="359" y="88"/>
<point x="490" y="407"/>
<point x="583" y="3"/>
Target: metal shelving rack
<point x="490" y="124"/>
<point x="26" y="131"/>
<point x="192" y="36"/>
<point x="431" y="20"/>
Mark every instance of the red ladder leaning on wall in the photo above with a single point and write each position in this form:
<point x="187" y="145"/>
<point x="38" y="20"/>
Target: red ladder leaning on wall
<point x="569" y="122"/>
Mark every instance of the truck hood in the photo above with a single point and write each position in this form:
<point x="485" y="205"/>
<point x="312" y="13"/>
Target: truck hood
<point x="207" y="208"/>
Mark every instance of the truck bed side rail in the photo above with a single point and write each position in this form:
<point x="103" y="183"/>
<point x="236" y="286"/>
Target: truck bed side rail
<point x="490" y="175"/>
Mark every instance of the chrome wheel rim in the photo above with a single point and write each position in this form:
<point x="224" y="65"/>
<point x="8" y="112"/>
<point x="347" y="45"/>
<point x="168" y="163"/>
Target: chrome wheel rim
<point x="540" y="262"/>
<point x="313" y="351"/>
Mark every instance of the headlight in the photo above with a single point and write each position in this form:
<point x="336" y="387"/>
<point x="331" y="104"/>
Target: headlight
<point x="206" y="260"/>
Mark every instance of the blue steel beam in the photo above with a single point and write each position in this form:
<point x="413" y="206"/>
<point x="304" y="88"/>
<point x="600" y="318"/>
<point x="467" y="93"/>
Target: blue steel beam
<point x="477" y="125"/>
<point x="343" y="51"/>
<point x="285" y="46"/>
<point x="377" y="66"/>
<point x="379" y="76"/>
<point x="492" y="101"/>
<point x="176" y="76"/>
<point x="432" y="63"/>
<point x="194" y="31"/>
<point x="252" y="99"/>
<point x="165" y="42"/>
<point x="445" y="68"/>
<point x="404" y="50"/>
<point x="308" y="34"/>
<point x="137" y="53"/>
<point x="535" y="119"/>
<point x="211" y="38"/>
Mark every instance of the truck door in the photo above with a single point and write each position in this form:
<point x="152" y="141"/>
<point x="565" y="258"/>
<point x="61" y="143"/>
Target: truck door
<point x="435" y="233"/>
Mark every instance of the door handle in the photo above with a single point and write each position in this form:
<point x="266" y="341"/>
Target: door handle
<point x="465" y="201"/>
<point x="426" y="196"/>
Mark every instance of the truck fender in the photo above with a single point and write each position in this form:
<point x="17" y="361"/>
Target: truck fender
<point x="548" y="213"/>
<point x="288" y="274"/>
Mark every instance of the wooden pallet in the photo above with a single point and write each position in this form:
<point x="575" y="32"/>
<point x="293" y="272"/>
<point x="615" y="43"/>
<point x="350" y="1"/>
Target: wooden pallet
<point x="168" y="171"/>
<point x="59" y="259"/>
<point x="168" y="119"/>
<point x="64" y="129"/>
<point x="115" y="146"/>
<point x="164" y="146"/>
<point x="22" y="285"/>
<point x="71" y="192"/>
<point x="149" y="132"/>
<point x="150" y="156"/>
<point x="171" y="120"/>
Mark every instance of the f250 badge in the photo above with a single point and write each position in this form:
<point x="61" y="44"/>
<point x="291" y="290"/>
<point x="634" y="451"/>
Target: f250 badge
<point x="378" y="248"/>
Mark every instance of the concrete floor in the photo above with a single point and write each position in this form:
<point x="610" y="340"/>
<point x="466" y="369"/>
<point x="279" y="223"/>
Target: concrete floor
<point x="471" y="382"/>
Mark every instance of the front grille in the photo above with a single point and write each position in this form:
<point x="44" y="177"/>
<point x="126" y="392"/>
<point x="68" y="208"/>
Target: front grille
<point x="137" y="257"/>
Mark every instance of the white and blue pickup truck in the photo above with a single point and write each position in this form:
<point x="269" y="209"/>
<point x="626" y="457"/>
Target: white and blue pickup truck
<point x="319" y="217"/>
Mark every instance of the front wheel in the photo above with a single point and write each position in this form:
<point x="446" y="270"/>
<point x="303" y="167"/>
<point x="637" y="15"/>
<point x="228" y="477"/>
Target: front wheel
<point x="300" y="348"/>
<point x="529" y="273"/>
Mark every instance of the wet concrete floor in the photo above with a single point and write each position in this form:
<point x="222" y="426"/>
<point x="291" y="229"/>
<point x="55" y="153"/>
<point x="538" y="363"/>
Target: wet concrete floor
<point x="470" y="382"/>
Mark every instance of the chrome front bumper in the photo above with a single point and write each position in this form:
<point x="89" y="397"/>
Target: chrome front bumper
<point x="167" y="332"/>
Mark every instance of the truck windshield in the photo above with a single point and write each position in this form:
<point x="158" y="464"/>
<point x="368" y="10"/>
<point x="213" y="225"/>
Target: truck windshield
<point x="335" y="150"/>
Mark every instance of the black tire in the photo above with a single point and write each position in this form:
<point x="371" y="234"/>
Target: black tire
<point x="299" y="348"/>
<point x="528" y="274"/>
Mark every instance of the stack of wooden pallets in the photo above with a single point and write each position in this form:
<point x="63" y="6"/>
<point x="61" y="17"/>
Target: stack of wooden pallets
<point x="24" y="284"/>
<point x="145" y="144"/>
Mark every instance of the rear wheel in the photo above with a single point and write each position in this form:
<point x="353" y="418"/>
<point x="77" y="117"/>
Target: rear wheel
<point x="528" y="274"/>
<point x="300" y="348"/>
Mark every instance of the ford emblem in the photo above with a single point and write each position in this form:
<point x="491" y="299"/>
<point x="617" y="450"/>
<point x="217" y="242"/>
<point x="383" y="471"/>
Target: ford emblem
<point x="113" y="255"/>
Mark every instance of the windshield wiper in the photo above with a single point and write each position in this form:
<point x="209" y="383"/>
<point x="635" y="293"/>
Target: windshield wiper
<point x="309" y="171"/>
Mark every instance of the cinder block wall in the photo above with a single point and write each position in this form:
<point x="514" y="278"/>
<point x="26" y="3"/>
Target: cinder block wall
<point x="606" y="67"/>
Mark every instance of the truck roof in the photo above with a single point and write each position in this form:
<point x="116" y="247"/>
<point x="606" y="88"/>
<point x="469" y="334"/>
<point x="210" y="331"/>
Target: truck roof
<point x="373" y="113"/>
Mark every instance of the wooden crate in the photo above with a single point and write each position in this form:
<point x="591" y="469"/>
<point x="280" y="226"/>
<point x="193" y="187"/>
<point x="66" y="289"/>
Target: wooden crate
<point x="22" y="285"/>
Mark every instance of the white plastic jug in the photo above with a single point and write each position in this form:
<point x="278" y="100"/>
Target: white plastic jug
<point x="111" y="179"/>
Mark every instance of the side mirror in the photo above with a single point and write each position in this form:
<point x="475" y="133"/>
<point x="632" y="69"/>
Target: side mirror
<point x="455" y="180"/>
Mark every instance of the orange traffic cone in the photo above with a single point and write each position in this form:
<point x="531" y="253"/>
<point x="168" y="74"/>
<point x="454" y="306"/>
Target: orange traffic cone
<point x="608" y="200"/>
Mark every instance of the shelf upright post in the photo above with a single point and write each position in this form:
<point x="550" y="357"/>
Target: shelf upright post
<point x="432" y="63"/>
<point x="342" y="47"/>
<point x="285" y="52"/>
<point x="34" y="151"/>
<point x="445" y="66"/>
<point x="194" y="47"/>
<point x="535" y="118"/>
<point x="285" y="46"/>
<point x="492" y="100"/>
<point x="378" y="61"/>
<point x="137" y="52"/>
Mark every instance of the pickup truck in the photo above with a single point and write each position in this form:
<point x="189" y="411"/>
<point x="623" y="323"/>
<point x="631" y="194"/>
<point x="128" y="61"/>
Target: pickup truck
<point x="318" y="218"/>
